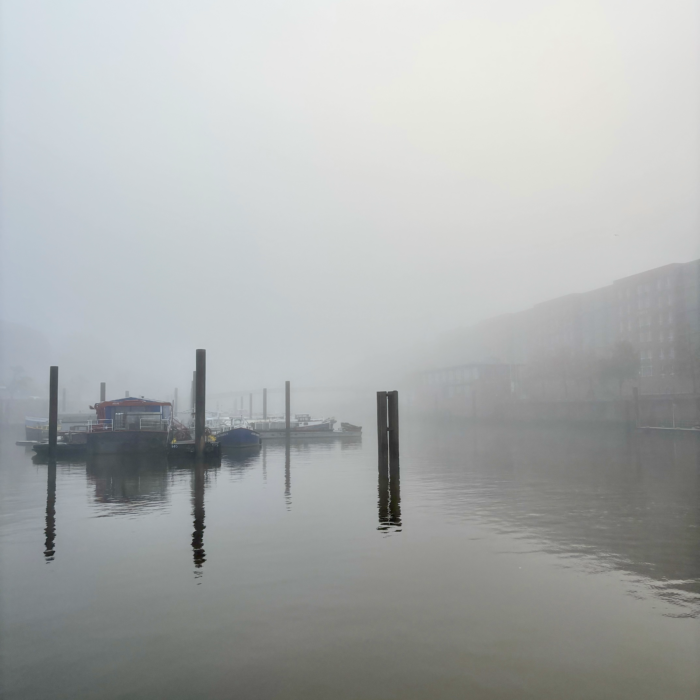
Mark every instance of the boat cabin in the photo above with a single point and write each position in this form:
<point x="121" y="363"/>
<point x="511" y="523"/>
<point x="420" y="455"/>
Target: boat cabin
<point x="132" y="413"/>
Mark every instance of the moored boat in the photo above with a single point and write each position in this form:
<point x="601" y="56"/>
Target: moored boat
<point x="129" y="425"/>
<point x="237" y="434"/>
<point x="302" y="427"/>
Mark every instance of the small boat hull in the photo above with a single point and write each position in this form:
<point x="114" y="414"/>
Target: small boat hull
<point x="187" y="451"/>
<point x="124" y="441"/>
<point x="307" y="434"/>
<point x="238" y="437"/>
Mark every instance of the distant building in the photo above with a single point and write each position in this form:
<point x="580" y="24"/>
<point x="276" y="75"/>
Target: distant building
<point x="657" y="312"/>
<point x="472" y="390"/>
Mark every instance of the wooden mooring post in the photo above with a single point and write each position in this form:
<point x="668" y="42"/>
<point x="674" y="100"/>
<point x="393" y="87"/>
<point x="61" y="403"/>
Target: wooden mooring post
<point x="388" y="448"/>
<point x="103" y="391"/>
<point x="199" y="402"/>
<point x="393" y="415"/>
<point x="388" y="427"/>
<point x="53" y="411"/>
<point x="192" y="392"/>
<point x="264" y="404"/>
<point x="287" y="407"/>
<point x="382" y="432"/>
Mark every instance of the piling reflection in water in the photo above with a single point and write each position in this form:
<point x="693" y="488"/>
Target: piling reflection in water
<point x="198" y="512"/>
<point x="389" y="500"/>
<point x="49" y="545"/>
<point x="128" y="484"/>
<point x="287" y="475"/>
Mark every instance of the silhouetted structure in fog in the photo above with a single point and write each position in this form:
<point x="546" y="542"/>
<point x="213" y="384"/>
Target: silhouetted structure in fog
<point x="655" y="314"/>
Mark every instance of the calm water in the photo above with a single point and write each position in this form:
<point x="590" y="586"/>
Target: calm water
<point x="511" y="563"/>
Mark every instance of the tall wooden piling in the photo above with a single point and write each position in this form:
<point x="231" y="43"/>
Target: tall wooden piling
<point x="389" y="502"/>
<point x="287" y="407"/>
<point x="264" y="404"/>
<point x="103" y="391"/>
<point x="382" y="435"/>
<point x="393" y="425"/>
<point x="192" y="390"/>
<point x="199" y="402"/>
<point x="53" y="411"/>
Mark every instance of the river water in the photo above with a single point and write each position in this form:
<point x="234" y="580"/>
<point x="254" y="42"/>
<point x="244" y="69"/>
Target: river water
<point x="507" y="563"/>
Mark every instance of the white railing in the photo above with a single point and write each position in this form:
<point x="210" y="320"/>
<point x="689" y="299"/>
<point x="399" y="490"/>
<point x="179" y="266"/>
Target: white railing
<point x="107" y="425"/>
<point x="100" y="425"/>
<point x="153" y="424"/>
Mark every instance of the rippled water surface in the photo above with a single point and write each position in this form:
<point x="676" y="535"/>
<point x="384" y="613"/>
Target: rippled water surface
<point x="507" y="563"/>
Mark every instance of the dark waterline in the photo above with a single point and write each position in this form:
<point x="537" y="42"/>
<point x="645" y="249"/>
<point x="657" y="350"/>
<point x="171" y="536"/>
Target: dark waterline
<point x="499" y="563"/>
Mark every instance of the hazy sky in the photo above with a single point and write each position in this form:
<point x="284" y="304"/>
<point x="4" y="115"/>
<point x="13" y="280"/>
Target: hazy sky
<point x="298" y="186"/>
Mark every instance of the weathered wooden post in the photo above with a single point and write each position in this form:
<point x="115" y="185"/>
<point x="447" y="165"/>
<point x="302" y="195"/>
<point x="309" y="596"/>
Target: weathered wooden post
<point x="264" y="404"/>
<point x="393" y="414"/>
<point x="389" y="503"/>
<point x="635" y="395"/>
<point x="103" y="391"/>
<point x="199" y="402"/>
<point x="53" y="411"/>
<point x="287" y="407"/>
<point x="382" y="434"/>
<point x="250" y="406"/>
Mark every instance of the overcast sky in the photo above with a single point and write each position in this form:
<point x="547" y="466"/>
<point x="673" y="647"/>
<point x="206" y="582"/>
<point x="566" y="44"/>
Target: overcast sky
<point x="299" y="186"/>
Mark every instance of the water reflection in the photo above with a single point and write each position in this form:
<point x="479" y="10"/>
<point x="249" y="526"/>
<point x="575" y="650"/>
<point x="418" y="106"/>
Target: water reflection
<point x="601" y="499"/>
<point x="50" y="530"/>
<point x="389" y="500"/>
<point x="287" y="476"/>
<point x="198" y="512"/>
<point x="128" y="484"/>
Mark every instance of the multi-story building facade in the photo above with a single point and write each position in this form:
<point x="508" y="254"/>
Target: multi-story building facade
<point x="656" y="312"/>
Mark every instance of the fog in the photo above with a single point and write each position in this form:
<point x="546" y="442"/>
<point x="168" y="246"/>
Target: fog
<point x="317" y="191"/>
